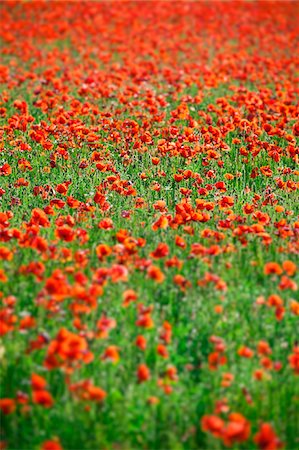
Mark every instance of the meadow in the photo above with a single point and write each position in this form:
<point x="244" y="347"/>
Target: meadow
<point x="149" y="225"/>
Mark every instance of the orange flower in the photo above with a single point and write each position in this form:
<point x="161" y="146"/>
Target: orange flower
<point x="141" y="342"/>
<point x="65" y="233"/>
<point x="259" y="374"/>
<point x="5" y="254"/>
<point x="111" y="353"/>
<point x="62" y="188"/>
<point x="294" y="360"/>
<point x="96" y="393"/>
<point x="145" y="320"/>
<point x="66" y="349"/>
<point x="226" y="202"/>
<point x="5" y="170"/>
<point x="237" y="429"/>
<point x="294" y="306"/>
<point x="287" y="283"/>
<point x="266" y="438"/>
<point x="129" y="296"/>
<point x="181" y="281"/>
<point x="162" y="351"/>
<point x="143" y="373"/>
<point x="215" y="360"/>
<point x="274" y="300"/>
<point x="263" y="348"/>
<point x="118" y="273"/>
<point x="160" y="205"/>
<point x="102" y="251"/>
<point x="3" y="277"/>
<point x="161" y="251"/>
<point x="161" y="223"/>
<point x="245" y="352"/>
<point x="289" y="267"/>
<point x="153" y="400"/>
<point x="38" y="383"/>
<point x="155" y="273"/>
<point x="272" y="268"/>
<point x="39" y="217"/>
<point x="7" y="405"/>
<point x="180" y="242"/>
<point x="104" y="325"/>
<point x="227" y="379"/>
<point x="106" y="224"/>
<point x="43" y="398"/>
<point x="27" y="322"/>
<point x="213" y="424"/>
<point x="51" y="445"/>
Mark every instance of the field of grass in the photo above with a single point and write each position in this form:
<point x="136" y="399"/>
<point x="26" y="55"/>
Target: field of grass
<point x="149" y="225"/>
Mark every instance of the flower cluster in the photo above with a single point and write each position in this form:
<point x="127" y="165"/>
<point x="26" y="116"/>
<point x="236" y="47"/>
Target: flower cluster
<point x="149" y="225"/>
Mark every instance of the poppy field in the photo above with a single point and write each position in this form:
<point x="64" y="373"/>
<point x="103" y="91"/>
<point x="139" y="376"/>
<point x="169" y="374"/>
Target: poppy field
<point x="149" y="228"/>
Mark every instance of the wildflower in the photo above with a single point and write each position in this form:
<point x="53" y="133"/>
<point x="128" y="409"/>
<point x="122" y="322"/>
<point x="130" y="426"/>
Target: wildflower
<point x="143" y="373"/>
<point x="141" y="342"/>
<point x="43" y="398"/>
<point x="266" y="438"/>
<point x="53" y="444"/>
<point x="7" y="405"/>
<point x="111" y="353"/>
